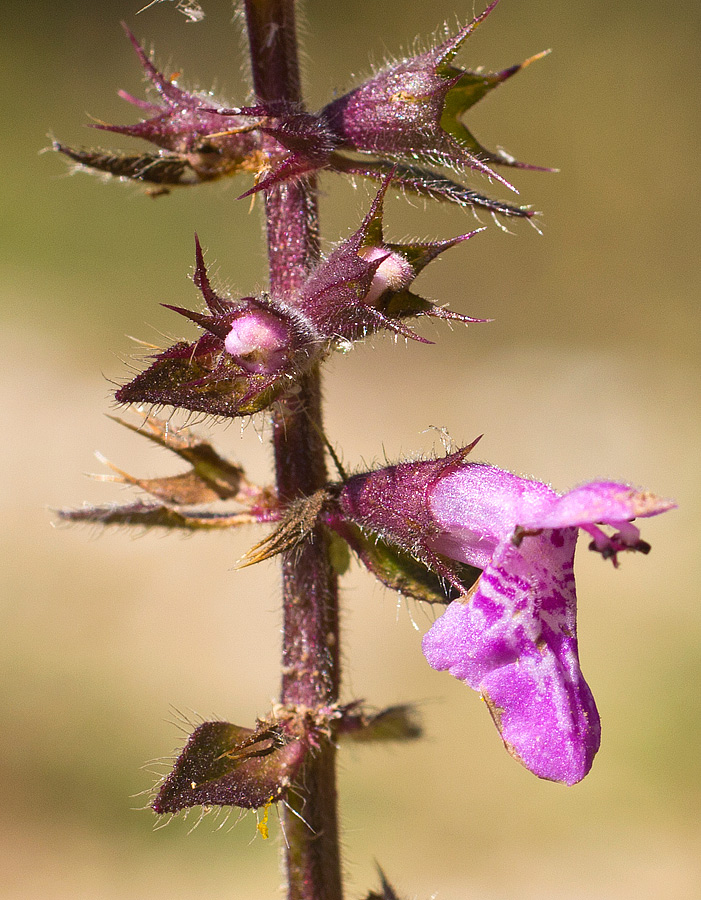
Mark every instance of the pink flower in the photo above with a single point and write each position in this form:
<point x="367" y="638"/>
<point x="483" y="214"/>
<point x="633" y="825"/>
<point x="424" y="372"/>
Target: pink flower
<point x="513" y="635"/>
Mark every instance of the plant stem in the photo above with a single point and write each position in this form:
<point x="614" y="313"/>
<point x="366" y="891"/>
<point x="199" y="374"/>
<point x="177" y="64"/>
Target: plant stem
<point x="310" y="649"/>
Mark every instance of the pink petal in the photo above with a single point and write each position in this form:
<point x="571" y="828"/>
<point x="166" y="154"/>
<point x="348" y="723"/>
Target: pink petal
<point x="478" y="506"/>
<point x="515" y="642"/>
<point x="599" y="501"/>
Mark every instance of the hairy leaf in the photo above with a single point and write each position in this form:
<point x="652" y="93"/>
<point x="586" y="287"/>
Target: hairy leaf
<point x="227" y="765"/>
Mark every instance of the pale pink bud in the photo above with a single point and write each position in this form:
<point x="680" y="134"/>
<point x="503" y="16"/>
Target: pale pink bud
<point x="259" y="340"/>
<point x="394" y="273"/>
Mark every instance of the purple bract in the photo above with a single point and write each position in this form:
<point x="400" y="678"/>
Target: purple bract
<point x="410" y="112"/>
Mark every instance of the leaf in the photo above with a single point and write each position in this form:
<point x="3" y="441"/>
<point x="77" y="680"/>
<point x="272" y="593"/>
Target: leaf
<point x="211" y="478"/>
<point x="227" y="765"/>
<point x="149" y="515"/>
<point x="148" y="167"/>
<point x="387" y="891"/>
<point x="426" y="183"/>
<point x="396" y="723"/>
<point x="202" y="378"/>
<point x="400" y="571"/>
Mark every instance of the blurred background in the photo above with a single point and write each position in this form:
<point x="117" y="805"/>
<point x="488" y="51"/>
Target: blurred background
<point x="589" y="369"/>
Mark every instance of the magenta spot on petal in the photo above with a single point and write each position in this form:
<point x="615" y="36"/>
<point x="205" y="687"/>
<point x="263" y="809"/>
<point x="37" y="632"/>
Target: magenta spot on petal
<point x="491" y="611"/>
<point x="557" y="538"/>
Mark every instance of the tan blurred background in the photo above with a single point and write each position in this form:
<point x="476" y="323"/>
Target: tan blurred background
<point x="590" y="368"/>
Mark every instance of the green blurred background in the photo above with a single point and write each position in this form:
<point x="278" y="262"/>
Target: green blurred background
<point x="590" y="368"/>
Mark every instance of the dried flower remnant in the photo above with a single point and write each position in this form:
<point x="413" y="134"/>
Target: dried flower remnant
<point x="512" y="636"/>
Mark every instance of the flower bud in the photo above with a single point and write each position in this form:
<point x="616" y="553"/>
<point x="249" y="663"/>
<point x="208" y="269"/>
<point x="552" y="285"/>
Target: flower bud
<point x="394" y="273"/>
<point x="256" y="347"/>
<point x="410" y="110"/>
<point x="259" y="340"/>
<point x="250" y="352"/>
<point x="363" y="286"/>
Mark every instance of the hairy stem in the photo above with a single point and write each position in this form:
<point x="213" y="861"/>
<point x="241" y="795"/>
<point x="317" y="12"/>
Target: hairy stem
<point x="310" y="651"/>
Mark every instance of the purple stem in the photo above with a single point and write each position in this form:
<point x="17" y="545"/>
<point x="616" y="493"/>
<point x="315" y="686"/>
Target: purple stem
<point x="310" y="648"/>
